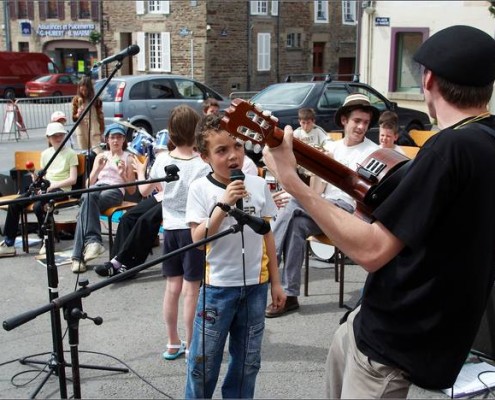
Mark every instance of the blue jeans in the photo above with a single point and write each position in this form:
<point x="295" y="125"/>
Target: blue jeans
<point x="88" y="228"/>
<point x="240" y="312"/>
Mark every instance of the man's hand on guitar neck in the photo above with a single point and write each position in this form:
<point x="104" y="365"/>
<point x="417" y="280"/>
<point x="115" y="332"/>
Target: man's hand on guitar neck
<point x="282" y="163"/>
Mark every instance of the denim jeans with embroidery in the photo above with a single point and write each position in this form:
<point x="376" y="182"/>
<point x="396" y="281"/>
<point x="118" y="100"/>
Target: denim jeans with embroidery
<point x="240" y="312"/>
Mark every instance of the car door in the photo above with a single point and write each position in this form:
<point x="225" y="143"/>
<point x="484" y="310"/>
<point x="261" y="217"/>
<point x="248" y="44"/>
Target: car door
<point x="161" y="98"/>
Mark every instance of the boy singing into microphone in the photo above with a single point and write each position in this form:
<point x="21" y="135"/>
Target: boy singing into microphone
<point x="239" y="268"/>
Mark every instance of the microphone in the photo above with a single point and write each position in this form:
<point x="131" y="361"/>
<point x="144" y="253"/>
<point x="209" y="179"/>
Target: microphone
<point x="237" y="175"/>
<point x="132" y="50"/>
<point x="257" y="224"/>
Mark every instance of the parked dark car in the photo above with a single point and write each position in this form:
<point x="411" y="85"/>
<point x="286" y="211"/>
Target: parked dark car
<point x="52" y="85"/>
<point x="146" y="100"/>
<point x="325" y="97"/>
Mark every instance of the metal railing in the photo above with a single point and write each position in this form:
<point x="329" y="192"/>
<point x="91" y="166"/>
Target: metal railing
<point x="25" y="114"/>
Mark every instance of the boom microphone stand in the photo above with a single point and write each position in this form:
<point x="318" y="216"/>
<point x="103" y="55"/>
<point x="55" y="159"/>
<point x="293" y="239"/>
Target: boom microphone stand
<point x="72" y="303"/>
<point x="56" y="363"/>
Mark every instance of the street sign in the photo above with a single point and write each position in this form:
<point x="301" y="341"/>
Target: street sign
<point x="382" y="21"/>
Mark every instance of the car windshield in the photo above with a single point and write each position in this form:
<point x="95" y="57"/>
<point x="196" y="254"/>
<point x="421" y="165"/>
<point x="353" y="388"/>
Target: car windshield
<point x="289" y="94"/>
<point x="44" y="78"/>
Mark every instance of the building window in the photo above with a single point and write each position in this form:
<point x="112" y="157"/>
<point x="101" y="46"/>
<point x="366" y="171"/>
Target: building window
<point x="153" y="7"/>
<point x="262" y="7"/>
<point x="264" y="41"/>
<point x="294" y="40"/>
<point x="158" y="7"/>
<point x="52" y="9"/>
<point x="406" y="72"/>
<point x="349" y="13"/>
<point x="84" y="10"/>
<point x="321" y="11"/>
<point x="22" y="10"/>
<point x="154" y="52"/>
<point x="259" y="7"/>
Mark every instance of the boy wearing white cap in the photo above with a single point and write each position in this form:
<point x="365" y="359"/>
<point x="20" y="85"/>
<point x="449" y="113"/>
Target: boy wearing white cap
<point x="62" y="174"/>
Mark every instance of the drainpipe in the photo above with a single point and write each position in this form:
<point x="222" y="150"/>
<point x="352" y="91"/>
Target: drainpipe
<point x="249" y="37"/>
<point x="6" y="23"/>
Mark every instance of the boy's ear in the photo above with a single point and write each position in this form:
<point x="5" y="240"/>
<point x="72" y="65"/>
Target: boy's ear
<point x="205" y="158"/>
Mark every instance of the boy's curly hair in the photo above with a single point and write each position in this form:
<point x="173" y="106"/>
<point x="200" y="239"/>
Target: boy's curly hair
<point x="207" y="125"/>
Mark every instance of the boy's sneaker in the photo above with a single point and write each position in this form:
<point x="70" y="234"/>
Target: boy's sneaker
<point x="107" y="269"/>
<point x="93" y="250"/>
<point x="42" y="251"/>
<point x="78" y="266"/>
<point x="7" y="251"/>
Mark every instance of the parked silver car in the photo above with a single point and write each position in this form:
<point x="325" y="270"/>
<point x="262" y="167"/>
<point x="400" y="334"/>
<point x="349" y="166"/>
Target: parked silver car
<point x="146" y="100"/>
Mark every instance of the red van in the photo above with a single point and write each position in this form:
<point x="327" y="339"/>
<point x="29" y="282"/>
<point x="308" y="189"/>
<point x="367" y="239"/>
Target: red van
<point x="16" y="68"/>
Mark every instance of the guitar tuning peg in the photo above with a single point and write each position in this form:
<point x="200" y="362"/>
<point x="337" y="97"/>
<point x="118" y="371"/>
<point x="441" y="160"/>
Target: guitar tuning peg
<point x="248" y="145"/>
<point x="267" y="113"/>
<point x="273" y="118"/>
<point x="257" y="107"/>
<point x="257" y="148"/>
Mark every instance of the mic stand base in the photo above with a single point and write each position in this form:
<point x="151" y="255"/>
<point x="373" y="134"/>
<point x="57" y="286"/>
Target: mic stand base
<point x="56" y="364"/>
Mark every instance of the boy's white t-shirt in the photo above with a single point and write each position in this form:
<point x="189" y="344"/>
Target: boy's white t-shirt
<point x="224" y="263"/>
<point x="175" y="193"/>
<point x="351" y="157"/>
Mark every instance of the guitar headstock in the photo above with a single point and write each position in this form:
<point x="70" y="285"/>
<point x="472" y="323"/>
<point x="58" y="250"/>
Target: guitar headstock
<point x="248" y="122"/>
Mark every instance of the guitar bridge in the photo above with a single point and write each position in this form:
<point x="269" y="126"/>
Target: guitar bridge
<point x="371" y="170"/>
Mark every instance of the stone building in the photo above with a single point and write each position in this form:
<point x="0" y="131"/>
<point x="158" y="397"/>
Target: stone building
<point x="233" y="45"/>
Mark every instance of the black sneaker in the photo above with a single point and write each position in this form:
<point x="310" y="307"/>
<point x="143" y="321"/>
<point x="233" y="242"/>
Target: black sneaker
<point x="105" y="269"/>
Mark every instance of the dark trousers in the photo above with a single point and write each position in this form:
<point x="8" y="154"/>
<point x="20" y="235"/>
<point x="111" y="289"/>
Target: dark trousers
<point x="14" y="213"/>
<point x="137" y="232"/>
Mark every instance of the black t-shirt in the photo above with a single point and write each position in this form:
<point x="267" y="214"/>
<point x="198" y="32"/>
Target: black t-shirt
<point x="421" y="311"/>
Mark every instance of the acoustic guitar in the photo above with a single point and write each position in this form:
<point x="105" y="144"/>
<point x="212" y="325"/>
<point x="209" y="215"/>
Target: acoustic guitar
<point x="369" y="184"/>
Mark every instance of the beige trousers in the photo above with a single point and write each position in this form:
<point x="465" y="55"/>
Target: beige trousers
<point x="352" y="375"/>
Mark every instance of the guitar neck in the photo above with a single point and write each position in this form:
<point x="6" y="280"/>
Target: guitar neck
<point x="324" y="166"/>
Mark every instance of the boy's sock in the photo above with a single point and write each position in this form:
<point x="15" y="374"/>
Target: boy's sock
<point x="116" y="263"/>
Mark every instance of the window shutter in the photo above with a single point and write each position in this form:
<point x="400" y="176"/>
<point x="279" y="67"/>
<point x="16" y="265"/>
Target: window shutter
<point x="274" y="7"/>
<point x="30" y="7"/>
<point x="12" y="9"/>
<point x="42" y="9"/>
<point x="73" y="10"/>
<point x="166" y="63"/>
<point x="95" y="10"/>
<point x="139" y="7"/>
<point x="141" y="56"/>
<point x="263" y="52"/>
<point x="165" y="6"/>
<point x="254" y="7"/>
<point x="61" y="10"/>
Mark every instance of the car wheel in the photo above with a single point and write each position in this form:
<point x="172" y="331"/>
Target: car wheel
<point x="57" y="100"/>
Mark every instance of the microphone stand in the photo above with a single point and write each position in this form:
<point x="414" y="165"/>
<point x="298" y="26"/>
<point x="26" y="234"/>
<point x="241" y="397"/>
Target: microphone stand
<point x="72" y="314"/>
<point x="56" y="363"/>
<point x="73" y="309"/>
